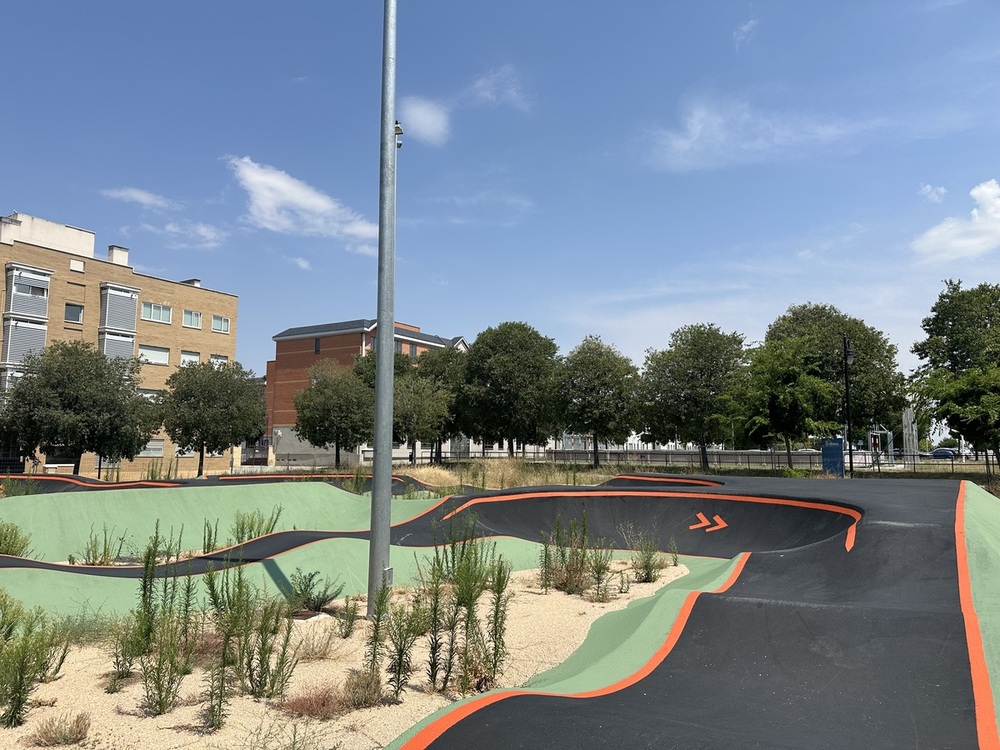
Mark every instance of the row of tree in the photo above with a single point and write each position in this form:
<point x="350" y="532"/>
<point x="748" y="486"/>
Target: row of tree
<point x="72" y="399"/>
<point x="706" y="387"/>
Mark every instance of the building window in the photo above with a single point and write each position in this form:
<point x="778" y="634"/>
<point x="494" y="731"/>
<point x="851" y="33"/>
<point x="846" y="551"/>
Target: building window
<point x="155" y="312"/>
<point x="219" y="359"/>
<point x="30" y="290"/>
<point x="153" y="449"/>
<point x="399" y="347"/>
<point x="116" y="345"/>
<point x="192" y="319"/>
<point x="315" y="346"/>
<point x="150" y="394"/>
<point x="154" y="355"/>
<point x="74" y="313"/>
<point x="413" y="351"/>
<point x="220" y="324"/>
<point x="190" y="358"/>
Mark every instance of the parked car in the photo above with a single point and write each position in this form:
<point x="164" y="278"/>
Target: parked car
<point x="948" y="453"/>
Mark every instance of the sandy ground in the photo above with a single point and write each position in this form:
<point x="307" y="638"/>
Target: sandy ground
<point x="543" y="630"/>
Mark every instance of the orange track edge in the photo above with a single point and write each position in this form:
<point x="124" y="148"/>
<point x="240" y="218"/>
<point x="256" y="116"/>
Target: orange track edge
<point x="986" y="719"/>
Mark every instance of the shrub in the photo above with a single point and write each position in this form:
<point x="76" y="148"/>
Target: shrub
<point x="348" y="618"/>
<point x="362" y="688"/>
<point x="247" y="526"/>
<point x="61" y="730"/>
<point x="102" y="551"/>
<point x="599" y="564"/>
<point x="25" y="657"/>
<point x="306" y="593"/>
<point x="323" y="703"/>
<point x="20" y="487"/>
<point x="402" y="632"/>
<point x="647" y="562"/>
<point x="13" y="541"/>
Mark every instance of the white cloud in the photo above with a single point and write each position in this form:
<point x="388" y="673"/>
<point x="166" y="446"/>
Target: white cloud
<point x="720" y="133"/>
<point x="138" y="195"/>
<point x="745" y="33"/>
<point x="965" y="238"/>
<point x="190" y="234"/>
<point x="284" y="204"/>
<point x="931" y="193"/>
<point x="427" y="121"/>
<point x="500" y="87"/>
<point x="302" y="263"/>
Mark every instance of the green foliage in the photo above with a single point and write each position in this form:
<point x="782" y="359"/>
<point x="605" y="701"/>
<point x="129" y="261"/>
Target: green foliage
<point x="210" y="537"/>
<point x="496" y="620"/>
<point x="14" y="541"/>
<point x="402" y="630"/>
<point x="690" y="389"/>
<point x="209" y="407"/>
<point x="877" y="387"/>
<point x="599" y="569"/>
<point x="647" y="562"/>
<point x="788" y="398"/>
<point x="509" y="385"/>
<point x="362" y="688"/>
<point x="420" y="410"/>
<point x="568" y="563"/>
<point x="364" y="367"/>
<point x="253" y="524"/>
<point x="375" y="643"/>
<point x="73" y="399"/>
<point x="217" y="695"/>
<point x="597" y="391"/>
<point x="31" y="651"/>
<point x="348" y="617"/>
<point x="307" y="593"/>
<point x="105" y="550"/>
<point x="337" y="408"/>
<point x="19" y="487"/>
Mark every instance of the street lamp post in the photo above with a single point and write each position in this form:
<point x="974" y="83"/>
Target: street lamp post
<point x="848" y="361"/>
<point x="379" y="567"/>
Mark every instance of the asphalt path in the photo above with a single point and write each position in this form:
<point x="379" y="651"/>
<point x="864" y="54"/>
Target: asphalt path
<point x="844" y="627"/>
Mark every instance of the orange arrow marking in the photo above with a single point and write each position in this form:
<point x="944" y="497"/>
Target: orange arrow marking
<point x="719" y="524"/>
<point x="704" y="522"/>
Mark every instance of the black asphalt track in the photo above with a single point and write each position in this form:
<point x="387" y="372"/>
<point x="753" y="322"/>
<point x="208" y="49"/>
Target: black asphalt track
<point x="844" y="628"/>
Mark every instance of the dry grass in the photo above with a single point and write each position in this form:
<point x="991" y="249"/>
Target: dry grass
<point x="316" y="639"/>
<point x="324" y="702"/>
<point x="61" y="730"/>
<point x="501" y="473"/>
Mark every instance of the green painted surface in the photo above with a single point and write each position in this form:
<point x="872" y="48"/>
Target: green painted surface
<point x="619" y="643"/>
<point x="61" y="523"/>
<point x="982" y="539"/>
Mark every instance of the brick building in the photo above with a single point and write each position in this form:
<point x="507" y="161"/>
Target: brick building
<point x="55" y="289"/>
<point x="298" y="349"/>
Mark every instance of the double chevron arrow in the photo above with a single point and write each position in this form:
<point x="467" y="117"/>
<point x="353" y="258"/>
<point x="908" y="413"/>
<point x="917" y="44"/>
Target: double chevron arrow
<point x="704" y="523"/>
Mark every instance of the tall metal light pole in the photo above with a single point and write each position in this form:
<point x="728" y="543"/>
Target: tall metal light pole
<point x="379" y="568"/>
<point x="848" y="361"/>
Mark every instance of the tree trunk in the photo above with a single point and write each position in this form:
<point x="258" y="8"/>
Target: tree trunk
<point x="703" y="446"/>
<point x="510" y="447"/>
<point x="597" y="453"/>
<point x="412" y="445"/>
<point x="788" y="452"/>
<point x="76" y="463"/>
<point x="201" y="460"/>
<point x="336" y="455"/>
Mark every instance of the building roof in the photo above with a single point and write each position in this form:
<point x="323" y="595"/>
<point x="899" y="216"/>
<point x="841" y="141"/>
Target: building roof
<point x="363" y="325"/>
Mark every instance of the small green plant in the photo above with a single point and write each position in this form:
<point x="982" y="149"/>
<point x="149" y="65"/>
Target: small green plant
<point x="647" y="562"/>
<point x="675" y="558"/>
<point x="496" y="623"/>
<point x="19" y="487"/>
<point x="210" y="537"/>
<point x="305" y="591"/>
<point x="247" y="526"/>
<point x="375" y="648"/>
<point x="348" y="617"/>
<point x="27" y="646"/>
<point x="624" y="584"/>
<point x="65" y="729"/>
<point x="127" y="646"/>
<point x="217" y="695"/>
<point x="103" y="551"/>
<point x="363" y="688"/>
<point x="164" y="667"/>
<point x="402" y="631"/>
<point x="599" y="564"/>
<point x="13" y="541"/>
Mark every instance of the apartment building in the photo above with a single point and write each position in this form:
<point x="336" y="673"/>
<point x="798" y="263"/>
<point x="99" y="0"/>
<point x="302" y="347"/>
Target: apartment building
<point x="56" y="289"/>
<point x="298" y="349"/>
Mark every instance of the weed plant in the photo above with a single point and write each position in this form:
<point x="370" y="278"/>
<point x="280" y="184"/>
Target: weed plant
<point x="210" y="537"/>
<point x="65" y="729"/>
<point x="306" y="593"/>
<point x="323" y="703"/>
<point x="647" y="562"/>
<point x="402" y="629"/>
<point x="20" y="487"/>
<point x="13" y="541"/>
<point x="496" y="624"/>
<point x="105" y="550"/>
<point x="348" y="617"/>
<point x="30" y="649"/>
<point x="247" y="526"/>
<point x="217" y="693"/>
<point x="599" y="565"/>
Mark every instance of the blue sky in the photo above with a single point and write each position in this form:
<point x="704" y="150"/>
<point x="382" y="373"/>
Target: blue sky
<point x="590" y="168"/>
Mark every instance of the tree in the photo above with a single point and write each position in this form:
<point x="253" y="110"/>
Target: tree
<point x="961" y="374"/>
<point x="420" y="409"/>
<point x="688" y="389"/>
<point x="210" y="407"/>
<point x="877" y="386"/>
<point x="336" y="409"/>
<point x="445" y="367"/>
<point x="73" y="399"/>
<point x="596" y="389"/>
<point x="508" y="385"/>
<point x="364" y="367"/>
<point x="787" y="397"/>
